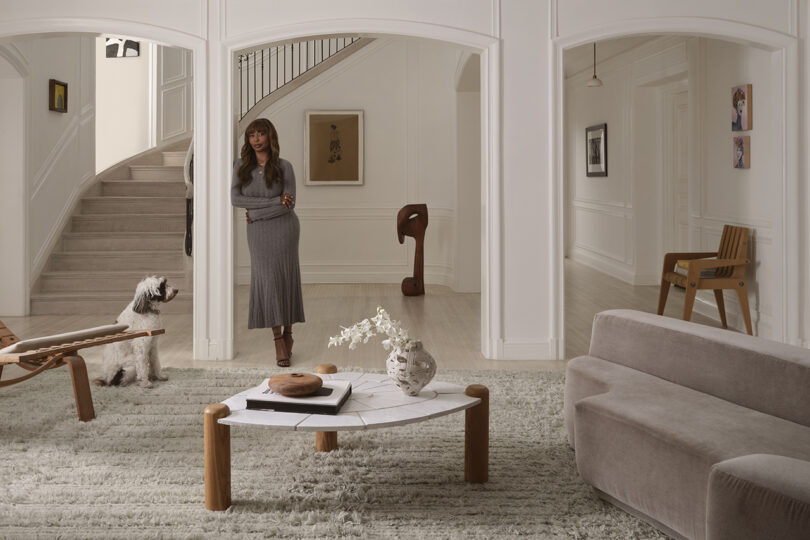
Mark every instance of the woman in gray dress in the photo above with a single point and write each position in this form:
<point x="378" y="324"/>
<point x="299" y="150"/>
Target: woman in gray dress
<point x="264" y="184"/>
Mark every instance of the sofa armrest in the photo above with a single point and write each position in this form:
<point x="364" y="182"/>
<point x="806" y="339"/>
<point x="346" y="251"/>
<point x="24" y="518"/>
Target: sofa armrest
<point x="759" y="496"/>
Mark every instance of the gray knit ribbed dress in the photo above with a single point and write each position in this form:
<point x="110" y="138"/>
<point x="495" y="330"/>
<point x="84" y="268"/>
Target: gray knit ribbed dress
<point x="275" y="276"/>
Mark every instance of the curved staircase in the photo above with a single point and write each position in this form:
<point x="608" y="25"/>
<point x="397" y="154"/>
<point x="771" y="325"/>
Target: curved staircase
<point x="127" y="227"/>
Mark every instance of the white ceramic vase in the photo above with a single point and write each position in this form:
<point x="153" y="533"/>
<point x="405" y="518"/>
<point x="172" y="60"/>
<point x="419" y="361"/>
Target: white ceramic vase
<point x="411" y="370"/>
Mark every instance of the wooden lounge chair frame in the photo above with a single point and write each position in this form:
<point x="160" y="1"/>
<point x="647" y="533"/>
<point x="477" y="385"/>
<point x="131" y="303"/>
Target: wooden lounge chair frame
<point x="38" y="360"/>
<point x="726" y="271"/>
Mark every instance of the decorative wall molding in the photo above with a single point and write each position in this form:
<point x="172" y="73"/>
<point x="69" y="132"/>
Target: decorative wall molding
<point x="603" y="207"/>
<point x="60" y="225"/>
<point x="336" y="270"/>
<point x="68" y="136"/>
<point x="182" y="126"/>
<point x="527" y="350"/>
<point x="604" y="263"/>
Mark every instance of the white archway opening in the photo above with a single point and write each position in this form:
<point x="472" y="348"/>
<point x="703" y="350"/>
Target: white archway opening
<point x="787" y="218"/>
<point x="221" y="309"/>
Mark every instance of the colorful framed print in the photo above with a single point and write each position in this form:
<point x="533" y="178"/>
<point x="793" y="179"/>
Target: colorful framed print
<point x="596" y="150"/>
<point x="57" y="96"/>
<point x="333" y="142"/>
<point x="741" y="108"/>
<point x="742" y="152"/>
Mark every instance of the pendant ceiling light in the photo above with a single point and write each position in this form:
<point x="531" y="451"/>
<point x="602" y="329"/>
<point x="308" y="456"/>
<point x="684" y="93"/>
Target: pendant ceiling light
<point x="594" y="81"/>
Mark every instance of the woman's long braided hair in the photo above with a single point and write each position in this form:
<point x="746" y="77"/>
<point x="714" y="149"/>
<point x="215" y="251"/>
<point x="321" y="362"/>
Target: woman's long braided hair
<point x="249" y="162"/>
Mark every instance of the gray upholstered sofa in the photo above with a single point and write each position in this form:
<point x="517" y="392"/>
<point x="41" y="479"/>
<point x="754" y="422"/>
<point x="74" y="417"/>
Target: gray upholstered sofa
<point x="703" y="432"/>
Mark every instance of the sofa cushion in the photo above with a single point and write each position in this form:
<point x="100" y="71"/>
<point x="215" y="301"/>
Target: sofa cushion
<point x="759" y="497"/>
<point x="753" y="372"/>
<point x="651" y="443"/>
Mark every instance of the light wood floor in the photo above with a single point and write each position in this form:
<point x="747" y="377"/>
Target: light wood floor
<point x="448" y="324"/>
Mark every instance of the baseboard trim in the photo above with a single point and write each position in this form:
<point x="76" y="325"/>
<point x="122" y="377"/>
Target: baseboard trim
<point x="439" y="276"/>
<point x="205" y="349"/>
<point x="708" y="308"/>
<point x="602" y="264"/>
<point x="526" y="350"/>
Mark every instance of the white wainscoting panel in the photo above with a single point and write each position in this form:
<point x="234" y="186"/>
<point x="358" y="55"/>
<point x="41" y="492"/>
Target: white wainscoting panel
<point x="360" y="245"/>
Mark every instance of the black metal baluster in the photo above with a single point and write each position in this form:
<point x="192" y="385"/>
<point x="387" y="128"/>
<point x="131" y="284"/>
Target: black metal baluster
<point x="254" y="79"/>
<point x="241" y="111"/>
<point x="262" y="72"/>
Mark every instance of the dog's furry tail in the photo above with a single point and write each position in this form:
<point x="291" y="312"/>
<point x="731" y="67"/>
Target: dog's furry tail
<point x="115" y="381"/>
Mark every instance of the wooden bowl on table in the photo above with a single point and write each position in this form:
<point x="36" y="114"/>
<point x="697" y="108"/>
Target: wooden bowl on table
<point x="295" y="384"/>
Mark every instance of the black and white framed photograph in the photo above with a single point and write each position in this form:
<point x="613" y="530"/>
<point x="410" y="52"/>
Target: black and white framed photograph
<point x="122" y="48"/>
<point x="596" y="150"/>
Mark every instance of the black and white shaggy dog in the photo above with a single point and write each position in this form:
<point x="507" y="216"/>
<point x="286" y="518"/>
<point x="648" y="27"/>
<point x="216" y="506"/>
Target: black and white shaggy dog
<point x="137" y="359"/>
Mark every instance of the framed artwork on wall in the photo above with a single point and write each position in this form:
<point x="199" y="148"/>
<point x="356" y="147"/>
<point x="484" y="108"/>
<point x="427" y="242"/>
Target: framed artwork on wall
<point x="596" y="150"/>
<point x="741" y="108"/>
<point x="57" y="96"/>
<point x="333" y="142"/>
<point x="742" y="152"/>
<point x="122" y="48"/>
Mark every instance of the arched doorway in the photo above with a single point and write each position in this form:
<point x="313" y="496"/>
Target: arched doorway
<point x="784" y="52"/>
<point x="488" y="49"/>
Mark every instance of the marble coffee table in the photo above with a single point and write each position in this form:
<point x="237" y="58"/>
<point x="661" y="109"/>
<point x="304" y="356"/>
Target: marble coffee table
<point x="375" y="402"/>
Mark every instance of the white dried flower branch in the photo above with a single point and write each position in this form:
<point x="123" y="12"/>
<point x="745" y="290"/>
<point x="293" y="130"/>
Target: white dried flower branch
<point x="364" y="330"/>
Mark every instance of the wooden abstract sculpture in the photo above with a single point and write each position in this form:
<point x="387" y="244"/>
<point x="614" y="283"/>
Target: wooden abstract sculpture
<point x="412" y="220"/>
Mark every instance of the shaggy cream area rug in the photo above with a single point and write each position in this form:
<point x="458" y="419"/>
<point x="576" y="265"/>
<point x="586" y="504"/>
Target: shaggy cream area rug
<point x="136" y="471"/>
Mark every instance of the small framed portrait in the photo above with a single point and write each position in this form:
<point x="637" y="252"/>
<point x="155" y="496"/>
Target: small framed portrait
<point x="122" y="48"/>
<point x="57" y="96"/>
<point x="596" y="150"/>
<point x="742" y="152"/>
<point x="333" y="142"/>
<point x="741" y="108"/>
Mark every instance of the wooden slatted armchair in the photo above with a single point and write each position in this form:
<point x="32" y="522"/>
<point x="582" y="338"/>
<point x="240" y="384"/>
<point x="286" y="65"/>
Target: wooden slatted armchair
<point x="40" y="354"/>
<point x="724" y="270"/>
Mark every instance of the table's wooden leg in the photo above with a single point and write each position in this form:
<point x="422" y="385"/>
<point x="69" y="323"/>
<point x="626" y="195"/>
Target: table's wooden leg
<point x="326" y="441"/>
<point x="217" y="458"/>
<point x="81" y="388"/>
<point x="476" y="437"/>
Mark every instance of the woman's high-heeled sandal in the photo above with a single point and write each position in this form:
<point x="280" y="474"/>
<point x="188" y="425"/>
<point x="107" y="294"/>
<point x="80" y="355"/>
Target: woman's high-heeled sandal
<point x="282" y="356"/>
<point x="288" y="341"/>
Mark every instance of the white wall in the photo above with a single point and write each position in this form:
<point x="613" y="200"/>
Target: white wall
<point x="615" y="221"/>
<point x="60" y="151"/>
<point x="467" y="265"/>
<point x="13" y="266"/>
<point x="122" y="105"/>
<point x="174" y="95"/>
<point x="749" y="197"/>
<point x="348" y="233"/>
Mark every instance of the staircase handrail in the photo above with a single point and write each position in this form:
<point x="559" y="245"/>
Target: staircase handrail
<point x="302" y="55"/>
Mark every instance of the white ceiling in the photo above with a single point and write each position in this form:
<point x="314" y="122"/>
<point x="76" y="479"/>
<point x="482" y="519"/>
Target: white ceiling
<point x="581" y="58"/>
